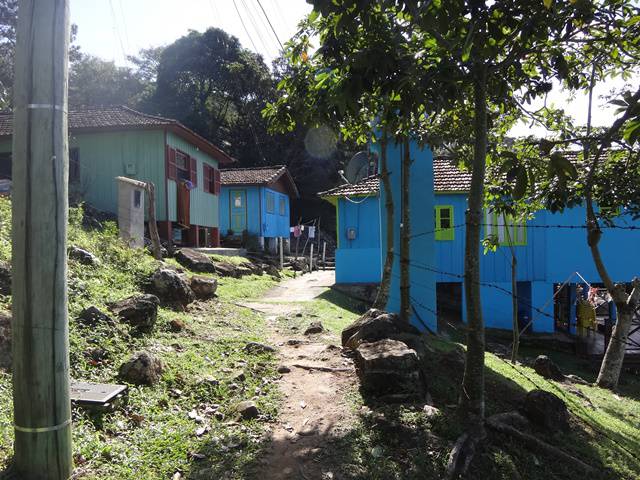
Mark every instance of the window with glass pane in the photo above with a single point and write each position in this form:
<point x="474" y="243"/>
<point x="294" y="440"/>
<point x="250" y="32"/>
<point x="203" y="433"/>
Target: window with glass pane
<point x="444" y="222"/>
<point x="505" y="228"/>
<point x="283" y="206"/>
<point x="271" y="203"/>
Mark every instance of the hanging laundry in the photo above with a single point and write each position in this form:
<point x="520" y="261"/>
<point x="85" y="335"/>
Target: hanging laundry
<point x="297" y="231"/>
<point x="312" y="232"/>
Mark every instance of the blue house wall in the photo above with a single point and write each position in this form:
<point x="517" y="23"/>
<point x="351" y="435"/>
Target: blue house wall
<point x="260" y="222"/>
<point x="551" y="256"/>
<point x="422" y="251"/>
<point x="358" y="260"/>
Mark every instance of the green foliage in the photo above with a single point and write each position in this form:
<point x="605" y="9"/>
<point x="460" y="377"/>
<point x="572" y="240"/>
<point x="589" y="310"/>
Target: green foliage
<point x="152" y="436"/>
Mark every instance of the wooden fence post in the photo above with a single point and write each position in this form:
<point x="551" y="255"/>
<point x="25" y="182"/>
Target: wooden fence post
<point x="281" y="252"/>
<point x="324" y="255"/>
<point x="42" y="409"/>
<point x="153" y="225"/>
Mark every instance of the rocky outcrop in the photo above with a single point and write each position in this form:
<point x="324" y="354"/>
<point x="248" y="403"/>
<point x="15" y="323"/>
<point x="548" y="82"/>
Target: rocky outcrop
<point x="389" y="370"/>
<point x="375" y="325"/>
<point x="5" y="341"/>
<point x="227" y="269"/>
<point x="141" y="369"/>
<point x="247" y="410"/>
<point x="92" y="316"/>
<point x="5" y="278"/>
<point x="140" y="311"/>
<point x="195" y="261"/>
<point x="255" y="347"/>
<point x="546" y="410"/>
<point x="203" y="287"/>
<point x="313" y="328"/>
<point x="82" y="256"/>
<point x="545" y="367"/>
<point x="171" y="287"/>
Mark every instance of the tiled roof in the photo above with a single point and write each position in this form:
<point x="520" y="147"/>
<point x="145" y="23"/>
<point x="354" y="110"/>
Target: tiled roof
<point x="366" y="186"/>
<point x="257" y="176"/>
<point x="447" y="177"/>
<point x="119" y="117"/>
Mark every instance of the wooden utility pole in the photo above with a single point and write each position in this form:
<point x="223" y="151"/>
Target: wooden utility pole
<point x="42" y="410"/>
<point x="156" y="247"/>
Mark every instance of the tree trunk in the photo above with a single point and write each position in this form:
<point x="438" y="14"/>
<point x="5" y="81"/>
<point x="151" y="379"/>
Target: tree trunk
<point x="42" y="409"/>
<point x="514" y="306"/>
<point x="405" y="234"/>
<point x="472" y="396"/>
<point x="614" y="356"/>
<point x="153" y="225"/>
<point x="385" y="284"/>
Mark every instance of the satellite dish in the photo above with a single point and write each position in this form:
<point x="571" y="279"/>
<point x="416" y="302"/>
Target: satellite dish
<point x="358" y="167"/>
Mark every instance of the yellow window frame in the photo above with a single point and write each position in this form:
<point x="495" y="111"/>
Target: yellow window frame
<point x="444" y="234"/>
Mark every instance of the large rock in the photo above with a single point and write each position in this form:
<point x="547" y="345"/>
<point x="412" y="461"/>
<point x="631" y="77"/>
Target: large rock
<point x="374" y="325"/>
<point x="247" y="410"/>
<point x="5" y="341"/>
<point x="92" y="316"/>
<point x="546" y="410"/>
<point x="5" y="278"/>
<point x="171" y="287"/>
<point x="203" y="287"/>
<point x="141" y="369"/>
<point x="545" y="367"/>
<point x="195" y="261"/>
<point x="140" y="311"/>
<point x="82" y="256"/>
<point x="389" y="369"/>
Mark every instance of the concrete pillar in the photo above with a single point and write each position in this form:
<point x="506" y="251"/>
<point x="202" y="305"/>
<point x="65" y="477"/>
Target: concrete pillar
<point x="131" y="211"/>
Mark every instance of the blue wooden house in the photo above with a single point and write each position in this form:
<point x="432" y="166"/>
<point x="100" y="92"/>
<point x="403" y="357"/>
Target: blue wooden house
<point x="549" y="255"/>
<point x="256" y="201"/>
<point x="113" y="141"/>
<point x="361" y="232"/>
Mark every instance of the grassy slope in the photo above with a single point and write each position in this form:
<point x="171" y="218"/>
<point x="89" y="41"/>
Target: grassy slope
<point x="153" y="436"/>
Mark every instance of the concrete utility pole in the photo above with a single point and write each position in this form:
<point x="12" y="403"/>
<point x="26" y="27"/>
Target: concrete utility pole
<point x="42" y="410"/>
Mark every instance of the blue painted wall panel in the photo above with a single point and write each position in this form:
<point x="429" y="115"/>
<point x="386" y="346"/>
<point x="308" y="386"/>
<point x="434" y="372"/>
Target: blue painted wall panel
<point x="253" y="209"/>
<point x="358" y="260"/>
<point x="422" y="250"/>
<point x="358" y="265"/>
<point x="274" y="224"/>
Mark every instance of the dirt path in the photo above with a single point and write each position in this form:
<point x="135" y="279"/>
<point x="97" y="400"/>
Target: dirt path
<point x="314" y="409"/>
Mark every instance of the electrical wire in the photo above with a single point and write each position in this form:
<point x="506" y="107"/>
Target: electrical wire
<point x="256" y="28"/>
<point x="246" y="30"/>
<point x="116" y="32"/>
<point x="269" y="22"/>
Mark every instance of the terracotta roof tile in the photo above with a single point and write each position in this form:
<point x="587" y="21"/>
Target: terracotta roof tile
<point x="447" y="177"/>
<point x="366" y="186"/>
<point x="118" y="117"/>
<point x="257" y="176"/>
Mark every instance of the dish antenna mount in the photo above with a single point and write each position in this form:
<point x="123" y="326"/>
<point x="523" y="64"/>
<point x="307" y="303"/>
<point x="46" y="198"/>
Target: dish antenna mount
<point x="360" y="166"/>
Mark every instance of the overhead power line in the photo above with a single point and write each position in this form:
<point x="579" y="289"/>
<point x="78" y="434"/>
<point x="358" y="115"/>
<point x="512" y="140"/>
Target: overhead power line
<point x="116" y="31"/>
<point x="256" y="27"/>
<point x="246" y="30"/>
<point x="270" y="25"/>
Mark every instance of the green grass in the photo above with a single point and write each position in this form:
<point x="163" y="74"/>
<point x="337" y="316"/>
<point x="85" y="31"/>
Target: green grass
<point x="152" y="436"/>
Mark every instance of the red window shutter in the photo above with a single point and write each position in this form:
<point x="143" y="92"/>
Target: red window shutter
<point x="206" y="178"/>
<point x="194" y="171"/>
<point x="216" y="181"/>
<point x="172" y="173"/>
<point x="215" y="237"/>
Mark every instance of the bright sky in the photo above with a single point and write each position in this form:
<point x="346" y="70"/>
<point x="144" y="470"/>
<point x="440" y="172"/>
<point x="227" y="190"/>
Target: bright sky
<point x="112" y="29"/>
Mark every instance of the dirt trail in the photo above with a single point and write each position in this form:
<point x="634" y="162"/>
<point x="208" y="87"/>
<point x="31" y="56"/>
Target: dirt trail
<point x="314" y="409"/>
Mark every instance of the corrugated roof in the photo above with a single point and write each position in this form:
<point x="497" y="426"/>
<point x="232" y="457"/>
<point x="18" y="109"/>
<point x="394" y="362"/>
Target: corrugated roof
<point x="257" y="176"/>
<point x="119" y="117"/>
<point x="447" y="177"/>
